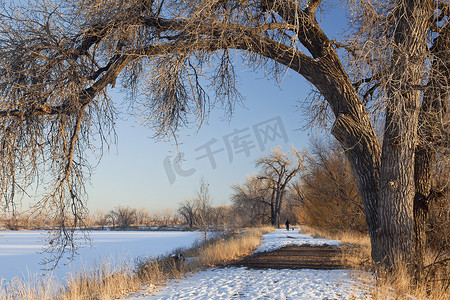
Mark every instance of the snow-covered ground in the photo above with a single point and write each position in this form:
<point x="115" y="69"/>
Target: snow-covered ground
<point x="20" y="251"/>
<point x="242" y="283"/>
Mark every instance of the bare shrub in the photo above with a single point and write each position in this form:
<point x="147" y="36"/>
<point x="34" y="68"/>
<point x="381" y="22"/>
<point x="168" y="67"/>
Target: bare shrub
<point x="327" y="192"/>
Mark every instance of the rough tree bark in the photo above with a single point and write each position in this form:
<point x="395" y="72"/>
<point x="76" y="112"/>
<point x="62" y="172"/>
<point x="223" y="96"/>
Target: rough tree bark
<point x="397" y="187"/>
<point x="431" y="137"/>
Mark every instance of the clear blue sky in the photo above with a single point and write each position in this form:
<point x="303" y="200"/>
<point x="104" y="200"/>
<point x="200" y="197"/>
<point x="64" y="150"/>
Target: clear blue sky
<point x="134" y="172"/>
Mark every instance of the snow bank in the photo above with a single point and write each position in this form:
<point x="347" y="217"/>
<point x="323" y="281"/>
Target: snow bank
<point x="281" y="238"/>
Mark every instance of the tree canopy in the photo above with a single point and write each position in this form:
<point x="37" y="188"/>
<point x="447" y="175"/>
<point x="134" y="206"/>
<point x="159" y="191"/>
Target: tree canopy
<point x="59" y="58"/>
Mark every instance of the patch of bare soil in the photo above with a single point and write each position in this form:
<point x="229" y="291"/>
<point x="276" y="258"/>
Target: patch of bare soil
<point x="295" y="257"/>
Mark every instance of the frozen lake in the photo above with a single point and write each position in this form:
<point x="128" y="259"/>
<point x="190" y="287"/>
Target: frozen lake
<point x="20" y="251"/>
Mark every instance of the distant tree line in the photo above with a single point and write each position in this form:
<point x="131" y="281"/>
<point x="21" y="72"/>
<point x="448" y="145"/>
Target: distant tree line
<point x="120" y="217"/>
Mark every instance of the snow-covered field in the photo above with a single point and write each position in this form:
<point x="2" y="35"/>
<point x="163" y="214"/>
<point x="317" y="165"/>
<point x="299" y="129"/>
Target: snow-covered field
<point x="20" y="251"/>
<point x="242" y="283"/>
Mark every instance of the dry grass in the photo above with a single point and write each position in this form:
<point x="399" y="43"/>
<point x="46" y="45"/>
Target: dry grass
<point x="107" y="282"/>
<point x="225" y="250"/>
<point x="211" y="253"/>
<point x="32" y="289"/>
<point x="101" y="282"/>
<point x="355" y="246"/>
<point x="398" y="285"/>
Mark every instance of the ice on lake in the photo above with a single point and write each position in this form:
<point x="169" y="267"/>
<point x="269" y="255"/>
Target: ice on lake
<point x="21" y="251"/>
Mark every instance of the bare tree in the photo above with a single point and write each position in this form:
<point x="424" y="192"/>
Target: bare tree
<point x="433" y="141"/>
<point x="405" y="71"/>
<point x="57" y="60"/>
<point x="252" y="201"/>
<point x="294" y="204"/>
<point x="123" y="216"/>
<point x="198" y="211"/>
<point x="278" y="169"/>
<point x="101" y="219"/>
<point x="216" y="216"/>
<point x="187" y="212"/>
<point x="203" y="207"/>
<point x="167" y="216"/>
<point x="142" y="217"/>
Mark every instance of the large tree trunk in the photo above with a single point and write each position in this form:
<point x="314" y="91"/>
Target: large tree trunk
<point x="277" y="207"/>
<point x="363" y="152"/>
<point x="272" y="208"/>
<point x="397" y="187"/>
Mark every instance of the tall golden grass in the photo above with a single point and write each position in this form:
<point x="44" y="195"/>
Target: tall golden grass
<point x="104" y="281"/>
<point x="386" y="285"/>
<point x="108" y="281"/>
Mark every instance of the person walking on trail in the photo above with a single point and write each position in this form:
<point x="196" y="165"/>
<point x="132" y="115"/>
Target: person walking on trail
<point x="287" y="225"/>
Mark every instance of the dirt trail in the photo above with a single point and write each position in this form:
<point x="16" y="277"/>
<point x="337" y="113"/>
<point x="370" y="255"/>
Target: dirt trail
<point x="295" y="257"/>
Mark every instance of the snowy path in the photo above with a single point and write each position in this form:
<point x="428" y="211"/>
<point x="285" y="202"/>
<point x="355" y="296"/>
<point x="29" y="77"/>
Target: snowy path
<point x="242" y="283"/>
<point x="281" y="238"/>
